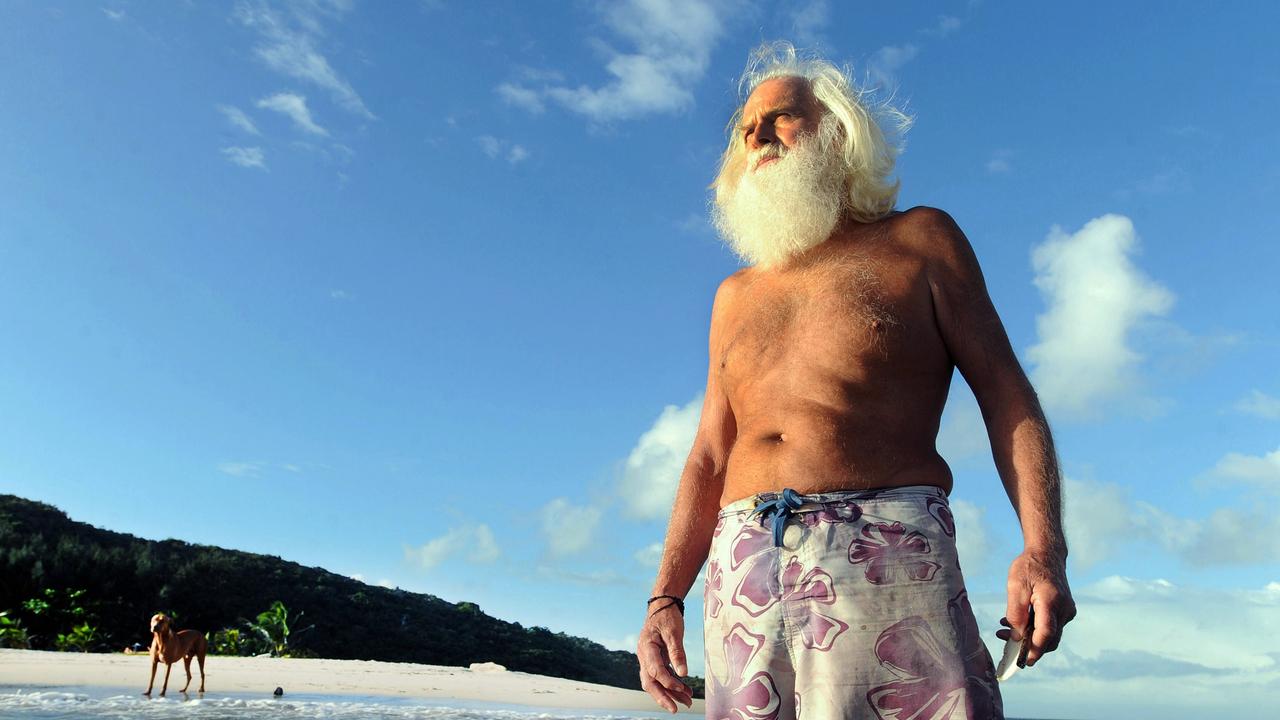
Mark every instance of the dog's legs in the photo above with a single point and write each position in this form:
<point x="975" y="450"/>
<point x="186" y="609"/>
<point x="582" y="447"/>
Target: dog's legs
<point x="154" y="661"/>
<point x="200" y="651"/>
<point x="168" y="667"/>
<point x="186" y="663"/>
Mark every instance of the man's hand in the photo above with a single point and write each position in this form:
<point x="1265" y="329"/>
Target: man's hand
<point x="1038" y="580"/>
<point x="661" y="647"/>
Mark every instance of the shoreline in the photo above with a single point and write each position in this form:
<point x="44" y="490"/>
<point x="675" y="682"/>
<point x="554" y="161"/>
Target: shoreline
<point x="45" y="670"/>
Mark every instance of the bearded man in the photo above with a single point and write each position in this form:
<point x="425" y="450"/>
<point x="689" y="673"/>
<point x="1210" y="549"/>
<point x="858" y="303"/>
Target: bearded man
<point x="814" y="487"/>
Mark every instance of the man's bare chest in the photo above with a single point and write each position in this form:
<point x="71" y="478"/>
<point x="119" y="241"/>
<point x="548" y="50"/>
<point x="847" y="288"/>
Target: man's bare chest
<point x="842" y="319"/>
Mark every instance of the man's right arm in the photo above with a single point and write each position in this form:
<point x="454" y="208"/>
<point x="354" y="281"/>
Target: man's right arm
<point x="689" y="531"/>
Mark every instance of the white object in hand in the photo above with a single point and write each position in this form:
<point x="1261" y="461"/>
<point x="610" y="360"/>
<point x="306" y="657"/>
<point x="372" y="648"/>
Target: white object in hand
<point x="1013" y="649"/>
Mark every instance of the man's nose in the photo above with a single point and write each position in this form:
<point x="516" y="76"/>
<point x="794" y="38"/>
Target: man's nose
<point x="762" y="135"/>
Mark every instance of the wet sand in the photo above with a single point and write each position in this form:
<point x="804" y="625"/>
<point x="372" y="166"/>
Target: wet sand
<point x="33" y="669"/>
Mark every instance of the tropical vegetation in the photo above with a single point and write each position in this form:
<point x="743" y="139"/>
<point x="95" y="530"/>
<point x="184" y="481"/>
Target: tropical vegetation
<point x="73" y="586"/>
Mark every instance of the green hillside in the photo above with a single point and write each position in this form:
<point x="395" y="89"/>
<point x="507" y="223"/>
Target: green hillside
<point x="129" y="578"/>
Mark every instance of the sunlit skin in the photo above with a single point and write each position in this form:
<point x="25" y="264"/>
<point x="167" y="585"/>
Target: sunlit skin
<point x="830" y="372"/>
<point x="779" y="111"/>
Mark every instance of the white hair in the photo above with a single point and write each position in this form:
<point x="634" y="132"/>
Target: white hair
<point x="866" y="149"/>
<point x="779" y="211"/>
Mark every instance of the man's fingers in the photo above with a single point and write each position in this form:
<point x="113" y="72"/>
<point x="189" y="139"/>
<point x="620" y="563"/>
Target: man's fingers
<point x="653" y="666"/>
<point x="675" y="651"/>
<point x="1019" y="600"/>
<point x="659" y="693"/>
<point x="656" y="666"/>
<point x="1017" y="613"/>
<point x="1044" y="638"/>
<point x="665" y="698"/>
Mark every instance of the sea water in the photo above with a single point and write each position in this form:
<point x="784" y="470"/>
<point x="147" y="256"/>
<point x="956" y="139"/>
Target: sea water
<point x="120" y="704"/>
<point x="97" y="703"/>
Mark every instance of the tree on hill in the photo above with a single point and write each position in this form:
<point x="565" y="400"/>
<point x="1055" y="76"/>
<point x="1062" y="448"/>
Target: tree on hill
<point x="128" y="578"/>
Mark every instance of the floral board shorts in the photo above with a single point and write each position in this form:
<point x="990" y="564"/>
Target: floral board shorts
<point x="846" y="604"/>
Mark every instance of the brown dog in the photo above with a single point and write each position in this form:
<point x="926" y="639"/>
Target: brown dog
<point x="171" y="646"/>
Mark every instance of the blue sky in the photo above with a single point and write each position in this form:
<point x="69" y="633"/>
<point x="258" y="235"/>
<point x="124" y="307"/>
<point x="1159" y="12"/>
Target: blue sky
<point x="419" y="293"/>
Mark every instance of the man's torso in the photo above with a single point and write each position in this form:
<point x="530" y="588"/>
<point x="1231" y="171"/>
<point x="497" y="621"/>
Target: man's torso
<point x="834" y="368"/>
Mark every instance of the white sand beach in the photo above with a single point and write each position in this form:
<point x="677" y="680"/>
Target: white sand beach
<point x="36" y="669"/>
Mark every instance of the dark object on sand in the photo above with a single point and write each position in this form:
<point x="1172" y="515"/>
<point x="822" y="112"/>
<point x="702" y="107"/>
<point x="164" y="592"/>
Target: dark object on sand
<point x="279" y="691"/>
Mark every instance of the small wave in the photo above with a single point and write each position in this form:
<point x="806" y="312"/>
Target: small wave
<point x="50" y="705"/>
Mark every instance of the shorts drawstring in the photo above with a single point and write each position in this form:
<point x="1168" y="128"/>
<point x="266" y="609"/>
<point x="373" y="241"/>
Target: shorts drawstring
<point x="781" y="508"/>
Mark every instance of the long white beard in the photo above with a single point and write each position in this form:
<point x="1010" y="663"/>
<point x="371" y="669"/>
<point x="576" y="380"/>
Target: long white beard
<point x="787" y="206"/>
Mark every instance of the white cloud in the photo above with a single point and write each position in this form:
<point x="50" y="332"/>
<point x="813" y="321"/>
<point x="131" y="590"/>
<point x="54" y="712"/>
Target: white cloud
<point x="292" y="51"/>
<point x="671" y="43"/>
<point x="1101" y="519"/>
<point x="1096" y="296"/>
<point x="1177" y="352"/>
<point x="1095" y="515"/>
<point x="627" y="643"/>
<point x="946" y="25"/>
<point x="255" y="468"/>
<point x="238" y="119"/>
<point x="248" y="157"/>
<point x="1117" y="588"/>
<point x="486" y="546"/>
<point x="653" y="468"/>
<point x="332" y="153"/>
<point x="1227" y="537"/>
<point x="295" y="108"/>
<point x="1234" y="537"/>
<point x="972" y="542"/>
<point x="115" y="15"/>
<point x="521" y="97"/>
<point x="569" y="528"/>
<point x="384" y="582"/>
<point x="999" y="163"/>
<point x="695" y="223"/>
<point x="497" y="147"/>
<point x="810" y="19"/>
<point x="242" y="469"/>
<point x="884" y="65"/>
<point x="649" y="555"/>
<point x="532" y="74"/>
<point x="963" y="433"/>
<point x="1129" y="614"/>
<point x="1260" y="470"/>
<point x="490" y="145"/>
<point x="1260" y="404"/>
<point x="476" y="542"/>
<point x="1175" y="651"/>
<point x="342" y="154"/>
<point x="1175" y="180"/>
<point x="1174" y="534"/>
<point x="589" y="577"/>
<point x="340" y="295"/>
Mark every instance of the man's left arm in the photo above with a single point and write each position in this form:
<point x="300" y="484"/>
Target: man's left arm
<point x="1020" y="440"/>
